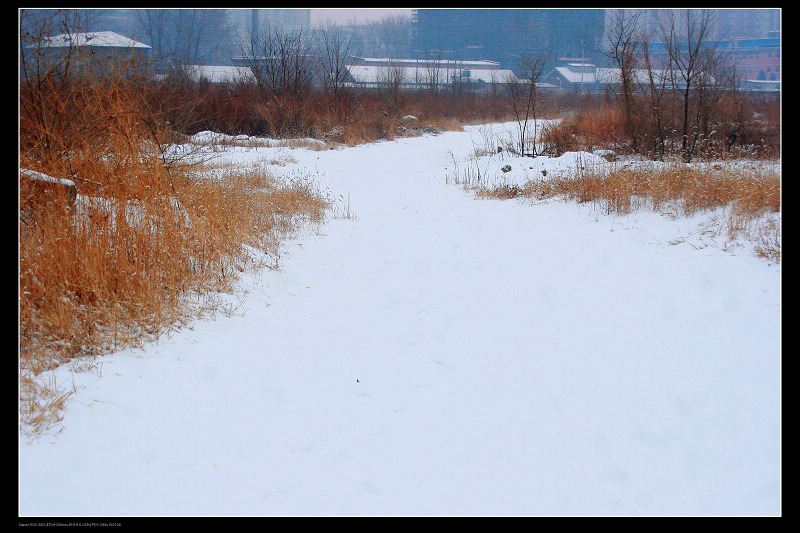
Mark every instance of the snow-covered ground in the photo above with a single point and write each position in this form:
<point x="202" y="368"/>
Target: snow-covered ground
<point x="441" y="355"/>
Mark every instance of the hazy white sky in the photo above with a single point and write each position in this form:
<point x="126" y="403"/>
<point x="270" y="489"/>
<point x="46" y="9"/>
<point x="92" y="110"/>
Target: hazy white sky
<point x="344" y="15"/>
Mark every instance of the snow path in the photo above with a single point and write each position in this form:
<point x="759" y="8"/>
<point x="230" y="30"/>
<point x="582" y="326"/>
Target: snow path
<point x="442" y="355"/>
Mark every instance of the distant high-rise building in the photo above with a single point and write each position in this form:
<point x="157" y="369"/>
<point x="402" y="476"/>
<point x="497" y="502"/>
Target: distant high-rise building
<point x="727" y="23"/>
<point x="747" y="23"/>
<point x="247" y="22"/>
<point x="506" y="35"/>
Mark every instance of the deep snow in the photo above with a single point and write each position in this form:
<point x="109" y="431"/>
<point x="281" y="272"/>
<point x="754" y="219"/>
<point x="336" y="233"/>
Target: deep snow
<point x="441" y="355"/>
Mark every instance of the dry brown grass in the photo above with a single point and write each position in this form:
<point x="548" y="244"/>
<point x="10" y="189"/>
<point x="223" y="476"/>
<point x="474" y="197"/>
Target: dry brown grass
<point x="41" y="403"/>
<point x="733" y="125"/>
<point x="356" y="116"/>
<point x="117" y="274"/>
<point x="147" y="239"/>
<point x="745" y="193"/>
<point x="600" y="126"/>
<point x="116" y="268"/>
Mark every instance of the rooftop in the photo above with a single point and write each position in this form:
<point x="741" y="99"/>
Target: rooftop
<point x="97" y="38"/>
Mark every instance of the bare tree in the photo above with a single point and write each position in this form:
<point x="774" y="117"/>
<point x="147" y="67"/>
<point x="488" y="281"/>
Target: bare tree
<point x="433" y="74"/>
<point x="623" y="44"/>
<point x="334" y="47"/>
<point x="391" y="78"/>
<point x="47" y="76"/>
<point x="281" y="62"/>
<point x="184" y="35"/>
<point x="692" y="62"/>
<point x="712" y="90"/>
<point x="654" y="87"/>
<point x="284" y="70"/>
<point x="37" y="60"/>
<point x="526" y="100"/>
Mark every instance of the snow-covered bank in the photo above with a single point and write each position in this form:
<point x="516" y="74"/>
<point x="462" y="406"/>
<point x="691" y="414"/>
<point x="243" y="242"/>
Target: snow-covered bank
<point x="442" y="355"/>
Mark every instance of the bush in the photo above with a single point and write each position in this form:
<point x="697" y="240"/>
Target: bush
<point x="559" y="137"/>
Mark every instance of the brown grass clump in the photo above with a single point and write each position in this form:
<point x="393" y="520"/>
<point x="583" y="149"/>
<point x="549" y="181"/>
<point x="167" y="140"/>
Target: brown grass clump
<point x="600" y="126"/>
<point x="560" y="137"/>
<point x="117" y="270"/>
<point x="747" y="193"/>
<point x="143" y="243"/>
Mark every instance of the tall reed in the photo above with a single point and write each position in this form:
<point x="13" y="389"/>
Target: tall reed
<point x="748" y="193"/>
<point x="145" y="235"/>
